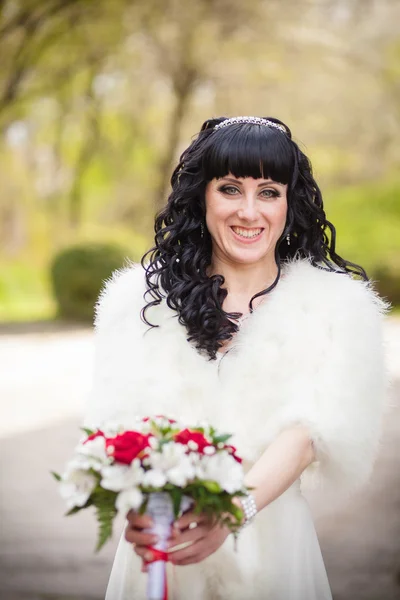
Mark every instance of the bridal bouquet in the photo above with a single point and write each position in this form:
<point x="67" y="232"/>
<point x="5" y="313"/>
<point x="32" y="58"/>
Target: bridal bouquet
<point x="160" y="467"/>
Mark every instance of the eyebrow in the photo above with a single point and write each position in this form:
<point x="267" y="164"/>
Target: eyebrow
<point x="259" y="185"/>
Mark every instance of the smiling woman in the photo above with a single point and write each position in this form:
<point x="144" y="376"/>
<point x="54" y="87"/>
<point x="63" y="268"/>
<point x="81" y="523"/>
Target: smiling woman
<point x="302" y="386"/>
<point x="230" y="182"/>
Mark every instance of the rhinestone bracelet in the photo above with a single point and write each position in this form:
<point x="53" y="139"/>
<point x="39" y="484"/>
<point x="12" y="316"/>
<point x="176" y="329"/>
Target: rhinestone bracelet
<point x="250" y="510"/>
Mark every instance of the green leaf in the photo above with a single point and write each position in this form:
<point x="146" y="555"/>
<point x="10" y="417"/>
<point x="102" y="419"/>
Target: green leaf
<point x="143" y="506"/>
<point x="56" y="475"/>
<point x="106" y="512"/>
<point x="87" y="431"/>
<point x="74" y="510"/>
<point x="212" y="486"/>
<point x="237" y="512"/>
<point x="221" y="439"/>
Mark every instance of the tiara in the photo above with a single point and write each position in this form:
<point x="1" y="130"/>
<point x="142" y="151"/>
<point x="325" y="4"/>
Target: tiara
<point x="252" y="120"/>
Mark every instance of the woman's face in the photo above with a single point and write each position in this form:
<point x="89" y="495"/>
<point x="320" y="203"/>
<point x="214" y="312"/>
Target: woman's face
<point x="245" y="217"/>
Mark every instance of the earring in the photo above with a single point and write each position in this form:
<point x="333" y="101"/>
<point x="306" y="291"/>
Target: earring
<point x="201" y="230"/>
<point x="288" y="239"/>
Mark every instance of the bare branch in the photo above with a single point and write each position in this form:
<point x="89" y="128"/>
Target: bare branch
<point x="24" y="58"/>
<point x="26" y="16"/>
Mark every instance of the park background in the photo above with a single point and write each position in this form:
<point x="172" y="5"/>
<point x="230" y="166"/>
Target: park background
<point x="97" y="101"/>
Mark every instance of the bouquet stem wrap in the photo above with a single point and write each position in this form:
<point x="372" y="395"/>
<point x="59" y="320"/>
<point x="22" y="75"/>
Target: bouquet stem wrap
<point x="160" y="509"/>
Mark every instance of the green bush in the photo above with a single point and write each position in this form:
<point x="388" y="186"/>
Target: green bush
<point x="77" y="276"/>
<point x="387" y="283"/>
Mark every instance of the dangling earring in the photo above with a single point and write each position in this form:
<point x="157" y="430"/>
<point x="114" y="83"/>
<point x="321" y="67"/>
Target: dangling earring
<point x="288" y="239"/>
<point x="201" y="230"/>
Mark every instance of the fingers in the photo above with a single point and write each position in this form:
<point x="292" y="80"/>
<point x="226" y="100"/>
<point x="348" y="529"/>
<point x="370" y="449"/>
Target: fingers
<point x="190" y="517"/>
<point x="145" y="567"/>
<point x="138" y="536"/>
<point x="144" y="553"/>
<point x="134" y="532"/>
<point x="139" y="521"/>
<point x="188" y="535"/>
<point x="190" y="555"/>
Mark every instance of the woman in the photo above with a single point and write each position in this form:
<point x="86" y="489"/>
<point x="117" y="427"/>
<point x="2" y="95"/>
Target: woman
<point x="243" y="314"/>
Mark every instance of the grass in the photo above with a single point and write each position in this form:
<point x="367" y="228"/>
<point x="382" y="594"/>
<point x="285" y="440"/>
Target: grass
<point x="25" y="293"/>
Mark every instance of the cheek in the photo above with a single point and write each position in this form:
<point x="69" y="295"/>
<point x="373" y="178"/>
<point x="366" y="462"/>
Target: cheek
<point x="278" y="216"/>
<point x="216" y="215"/>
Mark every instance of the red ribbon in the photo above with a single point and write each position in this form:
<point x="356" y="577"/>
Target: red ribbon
<point x="159" y="555"/>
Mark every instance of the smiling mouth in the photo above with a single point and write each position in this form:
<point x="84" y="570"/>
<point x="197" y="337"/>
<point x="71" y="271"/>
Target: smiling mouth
<point x="248" y="233"/>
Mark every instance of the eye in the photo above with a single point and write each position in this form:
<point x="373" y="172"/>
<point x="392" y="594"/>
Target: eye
<point x="271" y="193"/>
<point x="227" y="189"/>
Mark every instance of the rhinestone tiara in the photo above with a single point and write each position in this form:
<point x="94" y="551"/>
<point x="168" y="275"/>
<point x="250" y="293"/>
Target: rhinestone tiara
<point x="252" y="120"/>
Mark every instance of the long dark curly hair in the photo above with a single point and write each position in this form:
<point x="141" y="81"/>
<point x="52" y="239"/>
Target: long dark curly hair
<point x="176" y="266"/>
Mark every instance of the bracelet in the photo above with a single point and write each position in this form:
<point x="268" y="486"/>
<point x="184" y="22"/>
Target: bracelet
<point x="250" y="510"/>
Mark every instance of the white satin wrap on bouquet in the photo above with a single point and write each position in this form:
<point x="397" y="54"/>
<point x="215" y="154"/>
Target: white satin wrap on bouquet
<point x="160" y="509"/>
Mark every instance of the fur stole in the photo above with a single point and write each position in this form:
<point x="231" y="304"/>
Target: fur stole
<point x="312" y="353"/>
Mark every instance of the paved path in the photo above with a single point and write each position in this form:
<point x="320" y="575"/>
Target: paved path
<point x="44" y="556"/>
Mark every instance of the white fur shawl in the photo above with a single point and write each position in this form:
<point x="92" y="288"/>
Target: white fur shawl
<point x="312" y="353"/>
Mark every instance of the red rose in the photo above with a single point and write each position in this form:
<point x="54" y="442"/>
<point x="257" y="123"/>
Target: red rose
<point x="127" y="446"/>
<point x="232" y="451"/>
<point x="94" y="435"/>
<point x="186" y="435"/>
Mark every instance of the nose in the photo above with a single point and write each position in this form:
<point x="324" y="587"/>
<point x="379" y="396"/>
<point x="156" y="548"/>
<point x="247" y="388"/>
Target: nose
<point x="248" y="208"/>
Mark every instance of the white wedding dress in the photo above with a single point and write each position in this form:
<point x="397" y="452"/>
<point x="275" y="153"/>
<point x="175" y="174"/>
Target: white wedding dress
<point x="313" y="354"/>
<point x="283" y="536"/>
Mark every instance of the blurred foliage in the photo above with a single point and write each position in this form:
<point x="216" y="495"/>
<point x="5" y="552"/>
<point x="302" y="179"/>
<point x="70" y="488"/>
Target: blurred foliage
<point x="387" y="283"/>
<point x="367" y="221"/>
<point x="78" y="275"/>
<point x="98" y="99"/>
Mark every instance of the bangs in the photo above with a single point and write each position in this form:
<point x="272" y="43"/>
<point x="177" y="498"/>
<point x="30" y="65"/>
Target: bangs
<point x="248" y="151"/>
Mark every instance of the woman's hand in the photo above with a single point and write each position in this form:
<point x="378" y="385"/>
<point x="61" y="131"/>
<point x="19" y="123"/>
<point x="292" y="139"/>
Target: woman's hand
<point x="135" y="535"/>
<point x="205" y="537"/>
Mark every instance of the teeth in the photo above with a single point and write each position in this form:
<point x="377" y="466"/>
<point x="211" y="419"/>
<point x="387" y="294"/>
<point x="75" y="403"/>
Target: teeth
<point x="246" y="232"/>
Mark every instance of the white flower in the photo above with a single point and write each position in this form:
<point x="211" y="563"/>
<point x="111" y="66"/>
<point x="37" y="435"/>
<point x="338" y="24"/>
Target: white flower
<point x="209" y="450"/>
<point x="174" y="463"/>
<point x="182" y="473"/>
<point x="77" y="463"/>
<point x="129" y="499"/>
<point x="170" y="456"/>
<point x="224" y="469"/>
<point x="76" y="487"/>
<point x="153" y="441"/>
<point x="95" y="451"/>
<point x="154" y="478"/>
<point x="121" y="477"/>
<point x="144" y="427"/>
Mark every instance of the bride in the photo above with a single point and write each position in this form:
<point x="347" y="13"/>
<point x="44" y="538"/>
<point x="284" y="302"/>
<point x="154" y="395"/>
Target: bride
<point x="244" y="315"/>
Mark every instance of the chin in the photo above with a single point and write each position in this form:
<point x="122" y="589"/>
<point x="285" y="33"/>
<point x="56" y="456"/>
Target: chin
<point x="248" y="258"/>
